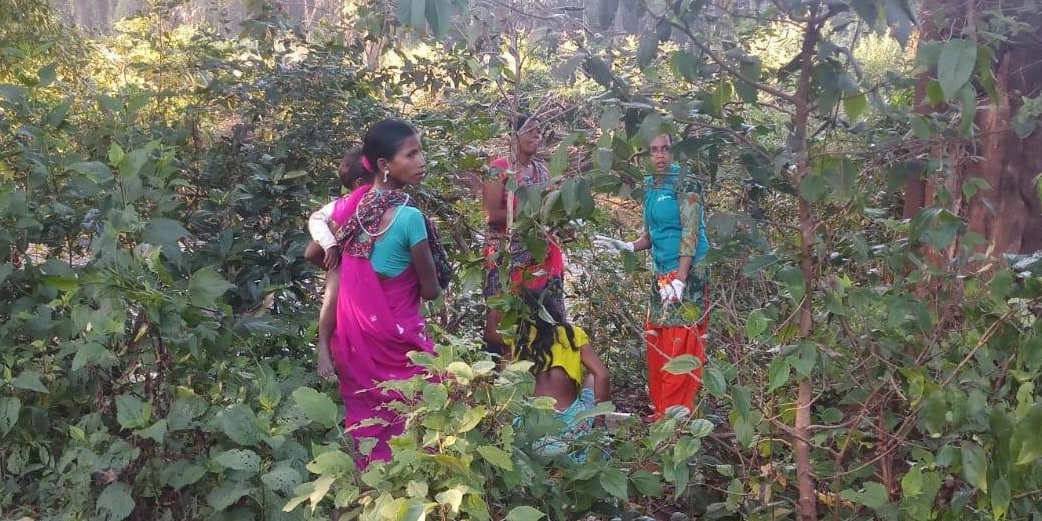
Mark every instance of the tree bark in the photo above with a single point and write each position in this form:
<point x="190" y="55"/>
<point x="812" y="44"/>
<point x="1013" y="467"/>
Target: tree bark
<point x="807" y="505"/>
<point x="1008" y="215"/>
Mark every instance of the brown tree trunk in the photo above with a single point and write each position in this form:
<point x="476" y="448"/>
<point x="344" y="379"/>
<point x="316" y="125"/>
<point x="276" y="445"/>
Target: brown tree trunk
<point x="807" y="504"/>
<point x="1008" y="215"/>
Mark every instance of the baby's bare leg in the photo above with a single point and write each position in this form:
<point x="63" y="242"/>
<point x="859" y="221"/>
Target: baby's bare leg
<point x="327" y="323"/>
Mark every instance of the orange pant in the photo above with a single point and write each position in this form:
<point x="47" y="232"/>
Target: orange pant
<point x="664" y="344"/>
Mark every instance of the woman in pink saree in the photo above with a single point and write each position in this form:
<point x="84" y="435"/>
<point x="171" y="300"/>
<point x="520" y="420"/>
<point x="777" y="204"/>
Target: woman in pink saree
<point x="391" y="257"/>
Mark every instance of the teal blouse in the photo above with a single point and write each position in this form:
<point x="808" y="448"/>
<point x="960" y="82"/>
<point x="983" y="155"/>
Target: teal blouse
<point x="392" y="252"/>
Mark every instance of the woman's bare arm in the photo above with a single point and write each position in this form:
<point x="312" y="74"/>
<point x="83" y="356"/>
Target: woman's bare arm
<point x="423" y="261"/>
<point x="492" y="197"/>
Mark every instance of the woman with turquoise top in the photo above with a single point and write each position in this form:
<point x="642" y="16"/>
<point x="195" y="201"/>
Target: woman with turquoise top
<point x="675" y="232"/>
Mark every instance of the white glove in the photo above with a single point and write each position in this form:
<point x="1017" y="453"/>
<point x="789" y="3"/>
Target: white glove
<point x="608" y="243"/>
<point x="672" y="292"/>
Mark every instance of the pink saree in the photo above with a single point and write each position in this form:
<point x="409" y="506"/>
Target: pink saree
<point x="378" y="323"/>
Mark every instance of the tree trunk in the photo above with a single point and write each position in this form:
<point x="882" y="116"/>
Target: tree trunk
<point x="807" y="504"/>
<point x="1009" y="214"/>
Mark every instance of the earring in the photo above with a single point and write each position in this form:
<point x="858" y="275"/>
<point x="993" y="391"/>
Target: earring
<point x="385" y="175"/>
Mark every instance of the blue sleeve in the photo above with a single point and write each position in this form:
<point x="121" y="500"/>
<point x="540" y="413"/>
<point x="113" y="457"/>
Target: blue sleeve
<point x="414" y="226"/>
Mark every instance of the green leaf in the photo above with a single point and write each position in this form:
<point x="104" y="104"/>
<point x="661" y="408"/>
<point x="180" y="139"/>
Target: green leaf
<point x="968" y="109"/>
<point x="971" y="186"/>
<point x="651" y="127"/>
<point x="1026" y="443"/>
<point x="868" y="10"/>
<point x="115" y="502"/>
<point x="155" y="432"/>
<point x="755" y="264"/>
<point x="700" y="428"/>
<point x="752" y="69"/>
<point x="609" y="117"/>
<point x="778" y="374"/>
<point x="874" y="495"/>
<point x="955" y="66"/>
<point x="130" y="164"/>
<point x="792" y="276"/>
<point x="571" y="193"/>
<point x="975" y="465"/>
<point x="559" y="159"/>
<point x="227" y="494"/>
<point x="239" y="459"/>
<point x="685" y="65"/>
<point x="185" y="409"/>
<point x="435" y="396"/>
<point x="804" y="360"/>
<point x="460" y="370"/>
<point x="646" y="483"/>
<point x="615" y="483"/>
<point x="439" y="16"/>
<point x="331" y="462"/>
<point x="1023" y="127"/>
<point x="496" y="456"/>
<point x="599" y="71"/>
<point x="755" y="324"/>
<point x="921" y="127"/>
<point x="9" y="409"/>
<point x="47" y="74"/>
<point x="722" y="94"/>
<point x="646" y="51"/>
<point x="684" y="449"/>
<point x="417" y="488"/>
<point x="318" y="406"/>
<point x="416" y="13"/>
<point x="855" y="106"/>
<point x="740" y="397"/>
<point x="283" y="478"/>
<point x="96" y="171"/>
<point x="812" y="188"/>
<point x="524" y="513"/>
<point x="471" y="419"/>
<point x="682" y="364"/>
<point x="452" y="497"/>
<point x="744" y="430"/>
<point x="30" y="381"/>
<point x="206" y="286"/>
<point x="132" y="413"/>
<point x="1001" y="495"/>
<point x="841" y="177"/>
<point x="714" y="381"/>
<point x="163" y="231"/>
<point x="239" y="423"/>
<point x="181" y="473"/>
<point x="92" y="353"/>
<point x="912" y="482"/>
<point x="483" y="367"/>
<point x="934" y="94"/>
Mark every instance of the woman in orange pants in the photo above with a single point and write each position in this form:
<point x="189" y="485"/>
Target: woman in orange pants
<point x="675" y="232"/>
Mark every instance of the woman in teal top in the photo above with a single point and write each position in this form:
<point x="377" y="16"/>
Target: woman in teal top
<point x="675" y="232"/>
